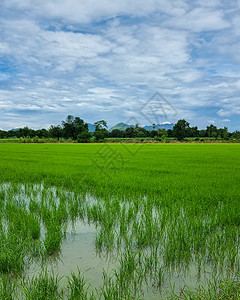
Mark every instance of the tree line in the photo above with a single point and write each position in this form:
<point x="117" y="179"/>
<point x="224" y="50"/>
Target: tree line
<point x="181" y="130"/>
<point x="73" y="128"/>
<point x="76" y="129"/>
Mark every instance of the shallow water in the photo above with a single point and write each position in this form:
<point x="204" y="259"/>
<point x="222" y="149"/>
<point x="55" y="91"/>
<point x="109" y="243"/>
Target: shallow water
<point x="78" y="250"/>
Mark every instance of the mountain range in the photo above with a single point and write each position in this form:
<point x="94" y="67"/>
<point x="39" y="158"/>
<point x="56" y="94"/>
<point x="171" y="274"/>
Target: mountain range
<point x="124" y="126"/>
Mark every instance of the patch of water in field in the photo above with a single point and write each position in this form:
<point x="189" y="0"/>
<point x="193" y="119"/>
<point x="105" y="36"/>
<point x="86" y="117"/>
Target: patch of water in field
<point x="78" y="247"/>
<point x="78" y="252"/>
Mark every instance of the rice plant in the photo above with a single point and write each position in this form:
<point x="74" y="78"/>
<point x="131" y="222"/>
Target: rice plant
<point x="42" y="287"/>
<point x="170" y="209"/>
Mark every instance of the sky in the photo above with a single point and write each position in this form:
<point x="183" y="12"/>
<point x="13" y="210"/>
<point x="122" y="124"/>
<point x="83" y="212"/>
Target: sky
<point x="131" y="61"/>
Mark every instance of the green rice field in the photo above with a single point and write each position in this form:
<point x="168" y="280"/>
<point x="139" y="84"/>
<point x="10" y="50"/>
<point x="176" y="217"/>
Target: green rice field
<point x="120" y="221"/>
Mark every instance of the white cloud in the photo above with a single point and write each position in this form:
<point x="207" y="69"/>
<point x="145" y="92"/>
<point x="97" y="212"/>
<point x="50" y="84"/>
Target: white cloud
<point x="58" y="60"/>
<point x="4" y="48"/>
<point x="223" y="113"/>
<point x="201" y="19"/>
<point x="188" y="75"/>
<point x="94" y="10"/>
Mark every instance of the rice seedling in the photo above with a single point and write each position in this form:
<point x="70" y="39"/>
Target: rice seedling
<point x="227" y="288"/>
<point x="42" y="287"/>
<point x="12" y="252"/>
<point x="7" y="287"/>
<point x="53" y="239"/>
<point x="78" y="287"/>
<point x="165" y="210"/>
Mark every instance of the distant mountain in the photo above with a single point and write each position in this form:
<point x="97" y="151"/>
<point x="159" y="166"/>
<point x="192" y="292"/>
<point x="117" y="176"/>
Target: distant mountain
<point x="121" y="126"/>
<point x="124" y="126"/>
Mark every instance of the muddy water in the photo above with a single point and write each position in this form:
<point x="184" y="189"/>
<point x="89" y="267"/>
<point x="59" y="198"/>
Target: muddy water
<point x="78" y="251"/>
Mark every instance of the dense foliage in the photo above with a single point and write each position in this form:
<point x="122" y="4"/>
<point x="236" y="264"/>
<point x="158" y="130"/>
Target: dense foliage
<point x="76" y="129"/>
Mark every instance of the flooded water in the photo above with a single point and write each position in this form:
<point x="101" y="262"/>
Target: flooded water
<point x="78" y="251"/>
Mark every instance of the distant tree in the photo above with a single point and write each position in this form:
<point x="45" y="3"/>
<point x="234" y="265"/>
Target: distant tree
<point x="84" y="137"/>
<point x="162" y="134"/>
<point x="236" y="134"/>
<point x="100" y="125"/>
<point x="101" y="131"/>
<point x="3" y="134"/>
<point x="223" y="132"/>
<point x="193" y="132"/>
<point x="152" y="133"/>
<point x="68" y="127"/>
<point x="180" y="129"/>
<point x="141" y="134"/>
<point x="80" y="127"/>
<point x="72" y="127"/>
<point x="117" y="133"/>
<point x="131" y="132"/>
<point x="11" y="133"/>
<point x="212" y="131"/>
<point x="25" y="132"/>
<point x="170" y="133"/>
<point x="42" y="133"/>
<point x="202" y="133"/>
<point x="55" y="131"/>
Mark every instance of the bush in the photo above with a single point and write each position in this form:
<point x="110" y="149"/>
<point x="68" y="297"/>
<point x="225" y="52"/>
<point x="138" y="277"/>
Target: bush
<point x="84" y="137"/>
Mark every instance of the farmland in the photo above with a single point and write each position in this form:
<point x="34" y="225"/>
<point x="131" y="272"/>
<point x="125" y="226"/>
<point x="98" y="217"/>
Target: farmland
<point x="147" y="220"/>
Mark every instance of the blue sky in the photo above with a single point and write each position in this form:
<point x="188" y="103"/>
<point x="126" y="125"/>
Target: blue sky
<point x="106" y="59"/>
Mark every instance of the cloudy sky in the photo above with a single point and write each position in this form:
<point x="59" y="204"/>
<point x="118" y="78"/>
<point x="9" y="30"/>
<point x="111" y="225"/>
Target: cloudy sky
<point x="107" y="59"/>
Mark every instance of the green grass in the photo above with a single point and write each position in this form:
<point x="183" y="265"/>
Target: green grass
<point x="153" y="170"/>
<point x="42" y="287"/>
<point x="159" y="208"/>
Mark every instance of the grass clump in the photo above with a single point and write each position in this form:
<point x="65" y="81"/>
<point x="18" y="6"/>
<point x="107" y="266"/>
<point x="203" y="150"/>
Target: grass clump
<point x="7" y="287"/>
<point x="42" y="287"/>
<point x="225" y="289"/>
<point x="78" y="288"/>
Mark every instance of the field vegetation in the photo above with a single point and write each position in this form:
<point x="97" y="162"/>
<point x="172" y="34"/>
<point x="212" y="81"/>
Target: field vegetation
<point x="159" y="210"/>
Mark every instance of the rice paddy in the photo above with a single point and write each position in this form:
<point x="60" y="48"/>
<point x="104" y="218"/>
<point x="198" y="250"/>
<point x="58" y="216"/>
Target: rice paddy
<point x="112" y="221"/>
